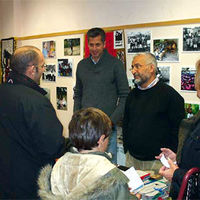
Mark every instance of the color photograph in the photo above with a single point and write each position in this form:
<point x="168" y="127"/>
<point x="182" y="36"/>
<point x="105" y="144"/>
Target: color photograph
<point x="7" y="49"/>
<point x="138" y="41"/>
<point x="65" y="67"/>
<point x="72" y="47"/>
<point x="61" y="94"/>
<point x="191" y="39"/>
<point x="187" y="78"/>
<point x="163" y="73"/>
<point x="191" y="109"/>
<point x="49" y="74"/>
<point x="166" y="50"/>
<point x="121" y="56"/>
<point x="49" y="49"/>
<point x="118" y="39"/>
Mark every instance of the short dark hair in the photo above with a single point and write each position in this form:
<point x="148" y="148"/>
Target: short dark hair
<point x="94" y="32"/>
<point x="87" y="126"/>
<point x="24" y="57"/>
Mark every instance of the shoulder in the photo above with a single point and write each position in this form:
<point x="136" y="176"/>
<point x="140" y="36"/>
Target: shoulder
<point x="169" y="90"/>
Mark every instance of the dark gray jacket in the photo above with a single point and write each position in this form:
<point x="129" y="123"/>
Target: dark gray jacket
<point x="103" y="85"/>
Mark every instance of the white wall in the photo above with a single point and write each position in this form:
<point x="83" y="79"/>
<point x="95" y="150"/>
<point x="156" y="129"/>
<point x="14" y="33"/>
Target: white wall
<point x="31" y="17"/>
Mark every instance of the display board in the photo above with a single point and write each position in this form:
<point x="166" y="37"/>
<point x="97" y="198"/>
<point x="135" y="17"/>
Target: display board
<point x="176" y="45"/>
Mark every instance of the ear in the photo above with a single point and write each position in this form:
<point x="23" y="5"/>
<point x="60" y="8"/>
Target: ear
<point x="101" y="139"/>
<point x="30" y="71"/>
<point x="104" y="44"/>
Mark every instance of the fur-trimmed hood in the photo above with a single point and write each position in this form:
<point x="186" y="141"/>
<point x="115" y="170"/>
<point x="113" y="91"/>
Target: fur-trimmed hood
<point x="82" y="176"/>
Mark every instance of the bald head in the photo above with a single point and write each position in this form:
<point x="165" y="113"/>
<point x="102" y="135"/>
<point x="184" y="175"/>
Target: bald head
<point x="24" y="57"/>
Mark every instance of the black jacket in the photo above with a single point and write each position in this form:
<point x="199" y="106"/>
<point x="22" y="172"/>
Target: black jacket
<point x="30" y="136"/>
<point x="190" y="152"/>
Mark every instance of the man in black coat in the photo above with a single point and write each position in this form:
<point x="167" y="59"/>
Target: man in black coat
<point x="30" y="132"/>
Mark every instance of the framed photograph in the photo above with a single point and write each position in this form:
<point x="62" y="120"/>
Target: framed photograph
<point x="163" y="73"/>
<point x="138" y="41"/>
<point x="49" y="74"/>
<point x="166" y="50"/>
<point x="7" y="49"/>
<point x="191" y="109"/>
<point x="72" y="47"/>
<point x="121" y="56"/>
<point x="61" y="94"/>
<point x="118" y="39"/>
<point x="187" y="78"/>
<point x="65" y="67"/>
<point x="191" y="39"/>
<point x="49" y="49"/>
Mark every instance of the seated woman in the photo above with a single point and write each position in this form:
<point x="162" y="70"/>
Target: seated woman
<point x="188" y="154"/>
<point x="86" y="172"/>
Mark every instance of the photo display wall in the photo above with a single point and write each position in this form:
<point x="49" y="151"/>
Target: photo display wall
<point x="176" y="48"/>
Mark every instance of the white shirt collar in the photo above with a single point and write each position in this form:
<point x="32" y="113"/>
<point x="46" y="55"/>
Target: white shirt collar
<point x="150" y="85"/>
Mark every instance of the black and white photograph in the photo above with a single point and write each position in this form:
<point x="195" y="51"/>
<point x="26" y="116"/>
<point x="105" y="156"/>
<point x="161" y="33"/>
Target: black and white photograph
<point x="191" y="39"/>
<point x="131" y="83"/>
<point x="7" y="49"/>
<point x="187" y="78"/>
<point x="72" y="47"/>
<point x="118" y="39"/>
<point x="166" y="50"/>
<point x="65" y="67"/>
<point x="138" y="41"/>
<point x="163" y="73"/>
<point x="61" y="96"/>
<point x="49" y="74"/>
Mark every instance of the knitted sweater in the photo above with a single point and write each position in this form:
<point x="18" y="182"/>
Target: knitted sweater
<point x="151" y="121"/>
<point x="103" y="85"/>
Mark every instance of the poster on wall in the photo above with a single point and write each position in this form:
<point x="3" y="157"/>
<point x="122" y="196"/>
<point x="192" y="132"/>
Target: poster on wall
<point x="7" y="49"/>
<point x="72" y="47"/>
<point x="163" y="73"/>
<point x="187" y="78"/>
<point x="61" y="96"/>
<point x="65" y="67"/>
<point x="138" y="41"/>
<point x="49" y="74"/>
<point x="118" y="39"/>
<point x="49" y="49"/>
<point x="191" y="39"/>
<point x="166" y="50"/>
<point x="191" y="109"/>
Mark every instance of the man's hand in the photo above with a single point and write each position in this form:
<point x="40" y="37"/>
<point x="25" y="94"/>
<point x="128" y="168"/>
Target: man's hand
<point x="168" y="172"/>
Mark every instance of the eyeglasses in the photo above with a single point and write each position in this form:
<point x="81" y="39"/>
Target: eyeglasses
<point x="137" y="66"/>
<point x="43" y="66"/>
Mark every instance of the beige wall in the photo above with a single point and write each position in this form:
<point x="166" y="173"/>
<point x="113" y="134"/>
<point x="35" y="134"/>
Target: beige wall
<point x="31" y="17"/>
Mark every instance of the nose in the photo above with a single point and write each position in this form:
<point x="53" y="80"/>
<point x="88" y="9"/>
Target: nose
<point x="133" y="71"/>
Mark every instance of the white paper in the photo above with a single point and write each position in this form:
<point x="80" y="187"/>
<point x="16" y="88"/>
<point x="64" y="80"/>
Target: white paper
<point x="135" y="180"/>
<point x="164" y="161"/>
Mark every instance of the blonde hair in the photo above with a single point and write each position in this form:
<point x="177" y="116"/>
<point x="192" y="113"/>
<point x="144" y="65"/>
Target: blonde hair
<point x="197" y="76"/>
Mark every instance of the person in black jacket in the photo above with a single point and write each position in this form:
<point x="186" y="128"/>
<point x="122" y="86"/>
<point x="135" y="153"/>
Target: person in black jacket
<point x="188" y="154"/>
<point x="153" y="111"/>
<point x="30" y="132"/>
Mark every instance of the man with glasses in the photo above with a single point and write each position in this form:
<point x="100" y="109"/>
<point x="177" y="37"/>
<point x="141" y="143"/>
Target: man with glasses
<point x="152" y="115"/>
<point x="30" y="132"/>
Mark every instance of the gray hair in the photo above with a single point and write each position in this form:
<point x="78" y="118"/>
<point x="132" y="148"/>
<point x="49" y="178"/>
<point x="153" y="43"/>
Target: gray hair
<point x="150" y="59"/>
